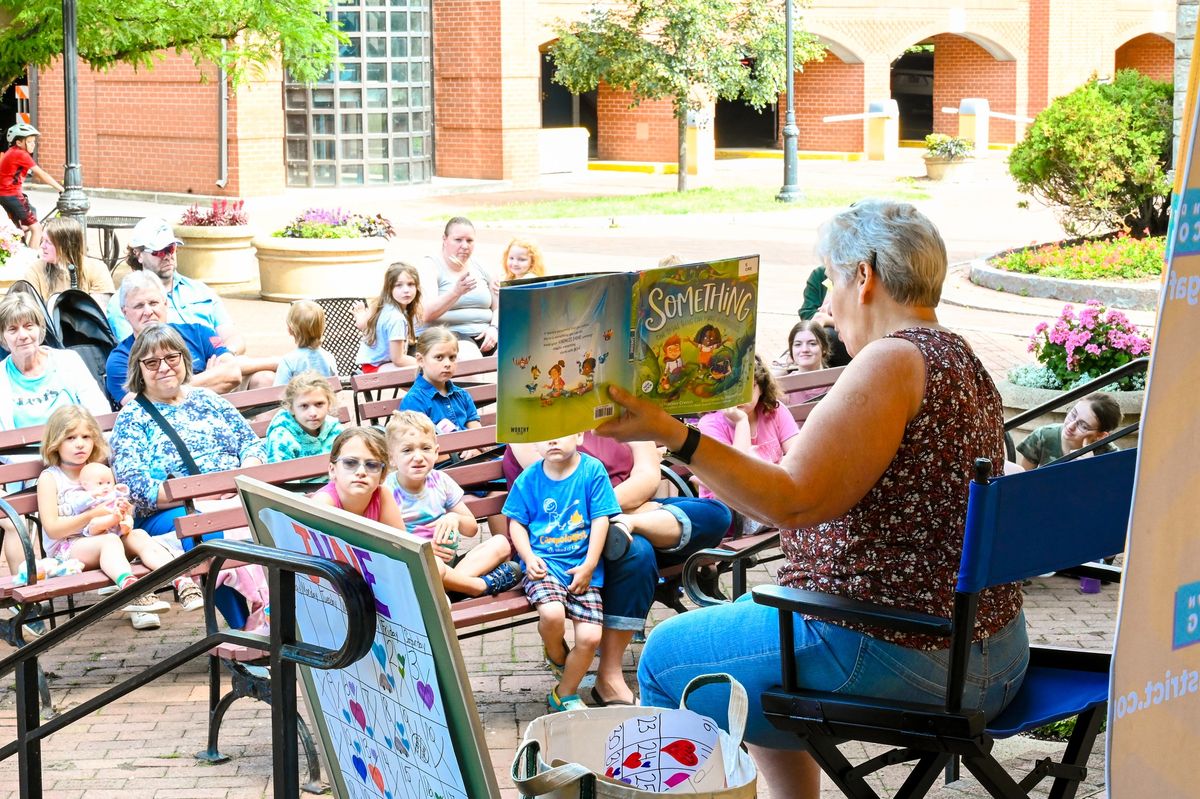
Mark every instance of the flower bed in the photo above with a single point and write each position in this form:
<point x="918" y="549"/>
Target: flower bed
<point x="1076" y="348"/>
<point x="1118" y="257"/>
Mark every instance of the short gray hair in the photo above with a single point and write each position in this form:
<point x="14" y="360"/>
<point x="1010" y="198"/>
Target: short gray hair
<point x="896" y="240"/>
<point x="139" y="281"/>
<point x="16" y="308"/>
<point x="155" y="337"/>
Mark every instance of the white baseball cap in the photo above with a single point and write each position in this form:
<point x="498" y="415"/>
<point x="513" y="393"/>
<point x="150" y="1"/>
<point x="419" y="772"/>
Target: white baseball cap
<point x="153" y="233"/>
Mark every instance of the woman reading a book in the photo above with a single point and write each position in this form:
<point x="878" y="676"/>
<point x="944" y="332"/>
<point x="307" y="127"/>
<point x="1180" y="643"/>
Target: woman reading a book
<point x="871" y="498"/>
<point x="459" y="292"/>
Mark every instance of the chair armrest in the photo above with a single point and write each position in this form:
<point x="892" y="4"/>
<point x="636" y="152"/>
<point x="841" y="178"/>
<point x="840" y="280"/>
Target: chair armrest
<point x="1097" y="570"/>
<point x="843" y="609"/>
<point x="728" y="552"/>
<point x="1058" y="657"/>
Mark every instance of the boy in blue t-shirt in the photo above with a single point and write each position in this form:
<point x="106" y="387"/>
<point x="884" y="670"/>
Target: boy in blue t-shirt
<point x="559" y="509"/>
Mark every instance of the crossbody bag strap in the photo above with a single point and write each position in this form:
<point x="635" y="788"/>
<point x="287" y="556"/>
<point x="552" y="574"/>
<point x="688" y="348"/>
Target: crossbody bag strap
<point x="185" y="455"/>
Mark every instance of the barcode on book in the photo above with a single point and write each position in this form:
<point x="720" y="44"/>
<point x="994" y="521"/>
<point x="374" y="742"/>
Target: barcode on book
<point x="602" y="412"/>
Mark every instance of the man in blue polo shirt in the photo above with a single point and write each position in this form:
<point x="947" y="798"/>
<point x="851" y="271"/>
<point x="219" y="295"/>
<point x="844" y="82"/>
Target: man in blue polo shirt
<point x="143" y="301"/>
<point x="152" y="246"/>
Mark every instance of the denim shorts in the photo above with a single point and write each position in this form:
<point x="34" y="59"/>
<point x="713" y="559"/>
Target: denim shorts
<point x="828" y="658"/>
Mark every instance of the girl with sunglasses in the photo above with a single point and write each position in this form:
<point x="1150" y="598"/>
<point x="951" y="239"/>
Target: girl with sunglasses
<point x="358" y="463"/>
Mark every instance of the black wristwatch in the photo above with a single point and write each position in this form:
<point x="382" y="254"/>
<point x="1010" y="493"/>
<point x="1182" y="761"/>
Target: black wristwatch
<point x="685" y="453"/>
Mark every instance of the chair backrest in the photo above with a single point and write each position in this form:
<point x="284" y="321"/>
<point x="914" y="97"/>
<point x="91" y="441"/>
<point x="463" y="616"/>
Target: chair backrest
<point x="342" y="336"/>
<point x="1058" y="516"/>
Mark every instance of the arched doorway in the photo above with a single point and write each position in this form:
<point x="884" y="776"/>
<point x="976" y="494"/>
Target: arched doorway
<point x="1150" y="54"/>
<point x="912" y="89"/>
<point x="561" y="108"/>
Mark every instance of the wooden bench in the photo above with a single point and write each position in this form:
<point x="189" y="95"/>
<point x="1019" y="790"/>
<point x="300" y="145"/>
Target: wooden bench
<point x="370" y="406"/>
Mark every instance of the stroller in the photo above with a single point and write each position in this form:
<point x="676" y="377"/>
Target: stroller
<point x="74" y="322"/>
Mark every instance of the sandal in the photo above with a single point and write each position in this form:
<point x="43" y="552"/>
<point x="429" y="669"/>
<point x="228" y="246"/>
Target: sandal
<point x="616" y="544"/>
<point x="558" y="705"/>
<point x="599" y="701"/>
<point x="556" y="668"/>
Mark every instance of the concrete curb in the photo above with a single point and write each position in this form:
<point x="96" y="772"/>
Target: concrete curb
<point x="1141" y="296"/>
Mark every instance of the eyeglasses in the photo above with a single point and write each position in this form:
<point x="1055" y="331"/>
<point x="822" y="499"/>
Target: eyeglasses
<point x="354" y="464"/>
<point x="171" y="358"/>
<point x="1073" y="417"/>
<point x="164" y="252"/>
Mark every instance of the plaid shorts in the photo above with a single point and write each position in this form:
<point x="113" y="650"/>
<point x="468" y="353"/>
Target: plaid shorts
<point x="585" y="607"/>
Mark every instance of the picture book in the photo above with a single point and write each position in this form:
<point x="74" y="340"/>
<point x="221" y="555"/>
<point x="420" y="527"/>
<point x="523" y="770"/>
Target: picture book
<point x="681" y="336"/>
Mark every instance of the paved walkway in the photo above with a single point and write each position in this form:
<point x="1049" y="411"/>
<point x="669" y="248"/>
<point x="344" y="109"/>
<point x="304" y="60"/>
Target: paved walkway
<point x="143" y="746"/>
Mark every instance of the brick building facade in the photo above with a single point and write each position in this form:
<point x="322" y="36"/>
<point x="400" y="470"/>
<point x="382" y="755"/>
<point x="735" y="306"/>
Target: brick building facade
<point x="471" y="88"/>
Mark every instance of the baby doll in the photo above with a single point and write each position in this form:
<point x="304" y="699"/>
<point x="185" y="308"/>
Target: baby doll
<point x="98" y="486"/>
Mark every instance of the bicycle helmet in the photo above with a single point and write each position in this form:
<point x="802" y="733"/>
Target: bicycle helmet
<point x="21" y="130"/>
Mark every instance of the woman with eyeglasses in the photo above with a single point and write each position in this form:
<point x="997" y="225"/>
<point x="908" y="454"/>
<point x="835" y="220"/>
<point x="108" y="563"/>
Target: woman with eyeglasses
<point x="1092" y="418"/>
<point x="35" y="380"/>
<point x="215" y="435"/>
<point x="870" y="500"/>
<point x="358" y="463"/>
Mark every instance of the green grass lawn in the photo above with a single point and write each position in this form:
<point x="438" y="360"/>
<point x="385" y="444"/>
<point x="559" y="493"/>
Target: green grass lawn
<point x="700" y="201"/>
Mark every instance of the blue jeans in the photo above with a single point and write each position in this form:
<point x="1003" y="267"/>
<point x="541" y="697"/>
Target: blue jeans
<point x="828" y="658"/>
<point x="162" y="523"/>
<point x="629" y="582"/>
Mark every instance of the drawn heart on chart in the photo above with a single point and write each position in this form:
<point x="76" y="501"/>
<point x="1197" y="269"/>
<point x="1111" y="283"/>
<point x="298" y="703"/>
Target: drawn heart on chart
<point x="675" y="779"/>
<point x="358" y="747"/>
<point x="634" y="760"/>
<point x="400" y="665"/>
<point x="384" y="682"/>
<point x="402" y="745"/>
<point x="360" y="766"/>
<point x="356" y="710"/>
<point x="379" y="653"/>
<point x="346" y="715"/>
<point x="683" y="751"/>
<point x="425" y="691"/>
<point x="353" y="689"/>
<point x="376" y="777"/>
<point x="391" y="680"/>
<point x="371" y="731"/>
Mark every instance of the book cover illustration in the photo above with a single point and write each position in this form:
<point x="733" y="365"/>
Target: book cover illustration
<point x="564" y="342"/>
<point x="682" y="336"/>
<point x="695" y="334"/>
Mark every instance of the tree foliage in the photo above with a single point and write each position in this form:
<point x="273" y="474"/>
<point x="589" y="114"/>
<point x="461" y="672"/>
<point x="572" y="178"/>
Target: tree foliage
<point x="686" y="51"/>
<point x="231" y="33"/>
<point x="1101" y="155"/>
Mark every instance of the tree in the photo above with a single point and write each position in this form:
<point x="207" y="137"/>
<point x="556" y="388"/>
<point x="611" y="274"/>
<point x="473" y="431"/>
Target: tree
<point x="683" y="50"/>
<point x="1101" y="155"/>
<point x="231" y="33"/>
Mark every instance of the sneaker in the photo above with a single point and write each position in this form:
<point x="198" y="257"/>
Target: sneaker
<point x="190" y="596"/>
<point x="34" y="628"/>
<point x="505" y="577"/>
<point x="146" y="603"/>
<point x="557" y="705"/>
<point x="144" y="621"/>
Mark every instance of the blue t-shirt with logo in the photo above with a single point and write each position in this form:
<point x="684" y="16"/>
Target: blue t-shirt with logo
<point x="558" y="513"/>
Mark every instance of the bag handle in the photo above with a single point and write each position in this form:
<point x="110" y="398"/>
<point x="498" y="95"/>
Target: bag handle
<point x="185" y="454"/>
<point x="738" y="709"/>
<point x="551" y="780"/>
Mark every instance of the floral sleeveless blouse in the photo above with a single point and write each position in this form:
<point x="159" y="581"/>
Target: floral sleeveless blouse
<point x="901" y="544"/>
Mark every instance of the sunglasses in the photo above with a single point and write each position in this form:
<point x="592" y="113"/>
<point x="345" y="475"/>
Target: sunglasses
<point x="171" y="358"/>
<point x="164" y="252"/>
<point x="353" y="465"/>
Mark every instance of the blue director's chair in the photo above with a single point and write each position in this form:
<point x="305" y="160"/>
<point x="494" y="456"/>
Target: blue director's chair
<point x="1018" y="526"/>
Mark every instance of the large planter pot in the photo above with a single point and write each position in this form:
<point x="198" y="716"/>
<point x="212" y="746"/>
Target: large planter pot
<point x="949" y="170"/>
<point x="296" y="269"/>
<point x="215" y="254"/>
<point x="1018" y="399"/>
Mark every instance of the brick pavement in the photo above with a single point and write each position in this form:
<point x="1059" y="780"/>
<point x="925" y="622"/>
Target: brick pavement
<point x="143" y="745"/>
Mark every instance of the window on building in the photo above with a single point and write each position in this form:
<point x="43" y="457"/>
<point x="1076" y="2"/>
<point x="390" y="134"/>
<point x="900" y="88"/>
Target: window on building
<point x="369" y="120"/>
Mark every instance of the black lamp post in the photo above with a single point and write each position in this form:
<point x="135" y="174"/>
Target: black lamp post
<point x="72" y="202"/>
<point x="790" y="192"/>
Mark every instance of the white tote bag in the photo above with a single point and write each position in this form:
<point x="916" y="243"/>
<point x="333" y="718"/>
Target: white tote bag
<point x="563" y="755"/>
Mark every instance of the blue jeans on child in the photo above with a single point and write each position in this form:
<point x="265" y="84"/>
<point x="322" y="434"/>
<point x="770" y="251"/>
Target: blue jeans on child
<point x="828" y="658"/>
<point x="629" y="582"/>
<point x="229" y="602"/>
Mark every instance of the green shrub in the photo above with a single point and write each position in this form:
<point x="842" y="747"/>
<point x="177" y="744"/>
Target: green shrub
<point x="952" y="148"/>
<point x="1100" y="155"/>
